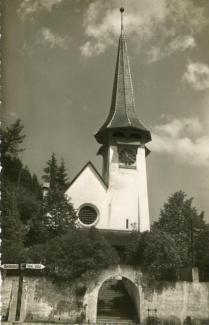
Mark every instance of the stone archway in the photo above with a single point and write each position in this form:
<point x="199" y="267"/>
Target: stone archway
<point x="130" y="278"/>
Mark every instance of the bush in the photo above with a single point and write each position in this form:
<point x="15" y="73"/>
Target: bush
<point x="155" y="253"/>
<point x="77" y="253"/>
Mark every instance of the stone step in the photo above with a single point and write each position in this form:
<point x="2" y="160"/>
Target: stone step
<point x="114" y="320"/>
<point x="114" y="305"/>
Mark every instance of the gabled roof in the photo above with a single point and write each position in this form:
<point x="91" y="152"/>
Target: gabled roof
<point x="122" y="112"/>
<point x="89" y="163"/>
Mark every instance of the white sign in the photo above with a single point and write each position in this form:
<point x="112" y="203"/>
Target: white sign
<point x="34" y="266"/>
<point x="9" y="266"/>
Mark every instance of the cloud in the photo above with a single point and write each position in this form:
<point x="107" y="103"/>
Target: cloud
<point x="183" y="139"/>
<point x="197" y="75"/>
<point x="180" y="43"/>
<point x="28" y="8"/>
<point x="148" y="21"/>
<point x="47" y="38"/>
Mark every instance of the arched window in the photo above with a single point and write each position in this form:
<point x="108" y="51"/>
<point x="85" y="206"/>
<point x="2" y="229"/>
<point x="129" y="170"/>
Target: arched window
<point x="87" y="215"/>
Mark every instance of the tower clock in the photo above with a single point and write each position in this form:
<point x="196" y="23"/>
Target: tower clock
<point x="127" y="156"/>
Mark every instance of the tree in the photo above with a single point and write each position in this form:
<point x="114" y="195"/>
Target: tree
<point x="62" y="177"/>
<point x="12" y="139"/>
<point x="13" y="231"/>
<point x="58" y="214"/>
<point x="50" y="171"/>
<point x="201" y="250"/>
<point x="77" y="253"/>
<point x="179" y="219"/>
<point x="155" y="253"/>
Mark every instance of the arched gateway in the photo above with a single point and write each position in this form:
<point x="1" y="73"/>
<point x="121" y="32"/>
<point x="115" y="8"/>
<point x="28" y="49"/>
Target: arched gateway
<point x="114" y="296"/>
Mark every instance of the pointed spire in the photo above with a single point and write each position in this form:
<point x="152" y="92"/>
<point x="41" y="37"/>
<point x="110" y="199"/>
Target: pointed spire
<point x="122" y="115"/>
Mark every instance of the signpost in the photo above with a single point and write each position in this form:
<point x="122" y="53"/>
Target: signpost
<point x="9" y="266"/>
<point x="21" y="268"/>
<point x="34" y="266"/>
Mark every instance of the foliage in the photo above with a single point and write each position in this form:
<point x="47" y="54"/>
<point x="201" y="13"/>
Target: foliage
<point x="55" y="175"/>
<point x="62" y="177"/>
<point x="180" y="220"/>
<point x="44" y="230"/>
<point x="58" y="212"/>
<point x="50" y="172"/>
<point x="201" y="249"/>
<point x="13" y="231"/>
<point x="179" y="233"/>
<point x="11" y="139"/>
<point x="76" y="253"/>
<point x="155" y="253"/>
<point x="21" y="193"/>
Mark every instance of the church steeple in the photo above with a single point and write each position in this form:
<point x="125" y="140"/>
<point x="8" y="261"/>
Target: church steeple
<point x="122" y="118"/>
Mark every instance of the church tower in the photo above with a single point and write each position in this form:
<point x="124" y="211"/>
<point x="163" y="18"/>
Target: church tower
<point x="117" y="200"/>
<point x="123" y="138"/>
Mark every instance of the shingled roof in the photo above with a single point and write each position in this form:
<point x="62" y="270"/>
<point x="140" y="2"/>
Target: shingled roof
<point x="122" y="112"/>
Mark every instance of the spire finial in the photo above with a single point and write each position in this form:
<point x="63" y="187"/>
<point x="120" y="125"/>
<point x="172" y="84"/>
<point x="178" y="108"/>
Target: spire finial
<point x="122" y="11"/>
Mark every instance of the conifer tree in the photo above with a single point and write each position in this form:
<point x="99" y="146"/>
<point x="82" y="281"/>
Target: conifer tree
<point x="62" y="177"/>
<point x="180" y="219"/>
<point x="50" y="171"/>
<point x="58" y="212"/>
<point x="12" y="139"/>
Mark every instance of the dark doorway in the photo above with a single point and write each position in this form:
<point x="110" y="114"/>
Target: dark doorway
<point x="115" y="305"/>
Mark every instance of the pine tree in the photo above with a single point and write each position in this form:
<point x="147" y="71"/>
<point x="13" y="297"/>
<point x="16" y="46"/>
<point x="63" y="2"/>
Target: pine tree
<point x="50" y="171"/>
<point x="62" y="177"/>
<point x="20" y="195"/>
<point x="12" y="138"/>
<point x="179" y="219"/>
<point x="58" y="212"/>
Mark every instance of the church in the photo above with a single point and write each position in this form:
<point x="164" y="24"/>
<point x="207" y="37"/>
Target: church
<point x="116" y="200"/>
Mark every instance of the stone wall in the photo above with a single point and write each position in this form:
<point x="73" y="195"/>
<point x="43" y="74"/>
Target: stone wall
<point x="46" y="301"/>
<point x="177" y="301"/>
<point x="173" y="301"/>
<point x="43" y="300"/>
<point x="9" y="290"/>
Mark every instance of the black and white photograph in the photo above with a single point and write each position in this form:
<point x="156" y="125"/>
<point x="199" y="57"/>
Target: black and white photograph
<point x="104" y="162"/>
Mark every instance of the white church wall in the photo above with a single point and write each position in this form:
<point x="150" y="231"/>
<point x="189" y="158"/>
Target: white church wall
<point x="142" y="188"/>
<point x="88" y="188"/>
<point x="127" y="192"/>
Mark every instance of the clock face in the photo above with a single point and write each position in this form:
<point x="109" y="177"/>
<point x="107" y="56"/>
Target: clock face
<point x="127" y="156"/>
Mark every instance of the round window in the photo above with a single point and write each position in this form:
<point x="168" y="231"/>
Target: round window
<point x="87" y="215"/>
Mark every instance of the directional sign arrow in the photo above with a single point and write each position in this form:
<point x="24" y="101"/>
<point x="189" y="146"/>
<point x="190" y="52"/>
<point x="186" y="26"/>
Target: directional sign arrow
<point x="34" y="266"/>
<point x="9" y="266"/>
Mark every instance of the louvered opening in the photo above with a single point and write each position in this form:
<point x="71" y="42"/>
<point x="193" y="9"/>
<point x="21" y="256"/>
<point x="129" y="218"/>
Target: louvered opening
<point x="87" y="215"/>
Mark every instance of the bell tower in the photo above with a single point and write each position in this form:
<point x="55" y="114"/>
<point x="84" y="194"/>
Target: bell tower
<point x="123" y="138"/>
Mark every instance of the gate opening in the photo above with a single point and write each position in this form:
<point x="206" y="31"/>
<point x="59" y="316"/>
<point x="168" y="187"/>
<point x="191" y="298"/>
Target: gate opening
<point x="117" y="302"/>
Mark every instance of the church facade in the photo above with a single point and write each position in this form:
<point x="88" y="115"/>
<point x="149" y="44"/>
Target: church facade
<point x="117" y="199"/>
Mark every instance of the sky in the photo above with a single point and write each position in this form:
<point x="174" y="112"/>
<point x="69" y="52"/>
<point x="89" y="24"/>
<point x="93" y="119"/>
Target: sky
<point x="58" y="66"/>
